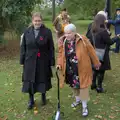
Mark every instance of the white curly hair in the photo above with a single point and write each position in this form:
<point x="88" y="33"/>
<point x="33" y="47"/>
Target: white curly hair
<point x="70" y="27"/>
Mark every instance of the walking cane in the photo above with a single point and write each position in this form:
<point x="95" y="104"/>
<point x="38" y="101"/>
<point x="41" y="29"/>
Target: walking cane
<point x="58" y="113"/>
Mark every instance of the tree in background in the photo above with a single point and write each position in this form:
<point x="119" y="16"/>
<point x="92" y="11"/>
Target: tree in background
<point x="13" y="13"/>
<point x="85" y="9"/>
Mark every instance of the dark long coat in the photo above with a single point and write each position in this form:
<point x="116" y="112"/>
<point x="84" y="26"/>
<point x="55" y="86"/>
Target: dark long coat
<point x="103" y="40"/>
<point x="37" y="71"/>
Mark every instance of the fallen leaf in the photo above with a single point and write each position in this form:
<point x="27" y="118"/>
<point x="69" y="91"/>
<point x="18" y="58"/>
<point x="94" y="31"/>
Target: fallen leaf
<point x="74" y="108"/>
<point x="104" y="118"/>
<point x="13" y="90"/>
<point x="10" y="83"/>
<point x="98" y="116"/>
<point x="95" y="103"/>
<point x="111" y="117"/>
<point x="35" y="112"/>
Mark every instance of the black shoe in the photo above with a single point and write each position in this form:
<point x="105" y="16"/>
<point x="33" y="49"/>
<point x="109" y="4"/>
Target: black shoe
<point x="93" y="87"/>
<point x="43" y="99"/>
<point x="100" y="90"/>
<point x="31" y="101"/>
<point x="30" y="105"/>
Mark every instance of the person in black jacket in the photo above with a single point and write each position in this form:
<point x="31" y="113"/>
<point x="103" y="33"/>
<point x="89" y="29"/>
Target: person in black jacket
<point x="102" y="40"/>
<point x="37" y="57"/>
<point x="88" y="34"/>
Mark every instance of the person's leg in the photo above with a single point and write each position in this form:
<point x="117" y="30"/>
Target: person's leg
<point x="43" y="98"/>
<point x="100" y="81"/>
<point x="31" y="101"/>
<point x="117" y="48"/>
<point x="77" y="98"/>
<point x="117" y="45"/>
<point x="94" y="86"/>
<point x="114" y="40"/>
<point x="84" y="96"/>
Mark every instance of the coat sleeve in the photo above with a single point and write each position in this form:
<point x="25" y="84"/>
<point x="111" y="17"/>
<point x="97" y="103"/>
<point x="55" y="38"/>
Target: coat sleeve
<point x="91" y="52"/>
<point x="55" y="21"/>
<point x="59" y="56"/>
<point x="60" y="51"/>
<point x="22" y="49"/>
<point x="51" y="49"/>
<point x="114" y="22"/>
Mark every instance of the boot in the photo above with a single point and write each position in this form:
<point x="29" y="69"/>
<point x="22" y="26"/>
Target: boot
<point x="43" y="99"/>
<point x="100" y="89"/>
<point x="31" y="102"/>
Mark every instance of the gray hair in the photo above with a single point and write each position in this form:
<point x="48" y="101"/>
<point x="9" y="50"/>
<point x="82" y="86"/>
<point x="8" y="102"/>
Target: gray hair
<point x="103" y="13"/>
<point x="70" y="27"/>
<point x="36" y="14"/>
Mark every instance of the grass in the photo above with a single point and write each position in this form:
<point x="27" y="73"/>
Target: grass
<point x="13" y="103"/>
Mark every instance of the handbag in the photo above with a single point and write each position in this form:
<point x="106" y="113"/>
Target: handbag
<point x="100" y="52"/>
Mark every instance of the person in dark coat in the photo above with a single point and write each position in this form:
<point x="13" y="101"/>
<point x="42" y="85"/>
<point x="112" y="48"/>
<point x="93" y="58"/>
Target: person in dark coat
<point x="88" y="34"/>
<point x="37" y="57"/>
<point x="102" y="40"/>
<point x="116" y="24"/>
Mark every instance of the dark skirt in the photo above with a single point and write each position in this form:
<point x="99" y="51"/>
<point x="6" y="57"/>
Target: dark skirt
<point x="72" y="77"/>
<point x="42" y="79"/>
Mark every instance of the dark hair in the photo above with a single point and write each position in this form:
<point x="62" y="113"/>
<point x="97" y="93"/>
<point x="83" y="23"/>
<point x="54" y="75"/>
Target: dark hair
<point x="64" y="9"/>
<point x="98" y="23"/>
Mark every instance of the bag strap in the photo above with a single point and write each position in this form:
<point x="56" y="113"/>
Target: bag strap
<point x="93" y="39"/>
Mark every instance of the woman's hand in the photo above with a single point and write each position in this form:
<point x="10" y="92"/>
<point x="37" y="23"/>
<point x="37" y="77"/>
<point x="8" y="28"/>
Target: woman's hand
<point x="97" y="67"/>
<point x="58" y="67"/>
<point x="106" y="21"/>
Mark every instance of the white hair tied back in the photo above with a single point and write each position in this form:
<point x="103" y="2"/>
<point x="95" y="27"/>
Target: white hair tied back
<point x="70" y="27"/>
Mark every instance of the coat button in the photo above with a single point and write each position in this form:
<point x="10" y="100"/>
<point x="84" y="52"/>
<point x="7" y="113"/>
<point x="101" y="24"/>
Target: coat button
<point x="63" y="75"/>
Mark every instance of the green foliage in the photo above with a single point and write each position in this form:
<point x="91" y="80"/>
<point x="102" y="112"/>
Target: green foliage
<point x="86" y="9"/>
<point x="15" y="13"/>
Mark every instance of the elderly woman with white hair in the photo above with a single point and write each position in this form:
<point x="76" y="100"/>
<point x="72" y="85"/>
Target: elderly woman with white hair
<point x="75" y="53"/>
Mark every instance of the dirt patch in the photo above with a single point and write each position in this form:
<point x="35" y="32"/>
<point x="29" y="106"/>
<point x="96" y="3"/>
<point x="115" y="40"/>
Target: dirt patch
<point x="11" y="49"/>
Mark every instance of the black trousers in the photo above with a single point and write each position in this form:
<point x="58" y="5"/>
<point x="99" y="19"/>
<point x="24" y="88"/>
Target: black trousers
<point x="43" y="97"/>
<point x="98" y="77"/>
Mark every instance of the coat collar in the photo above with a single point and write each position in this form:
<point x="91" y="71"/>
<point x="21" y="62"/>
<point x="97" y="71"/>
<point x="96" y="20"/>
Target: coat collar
<point x="62" y="40"/>
<point x="78" y="37"/>
<point x="31" y="28"/>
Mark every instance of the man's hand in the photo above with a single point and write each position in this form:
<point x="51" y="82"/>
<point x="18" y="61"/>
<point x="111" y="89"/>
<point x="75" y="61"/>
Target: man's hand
<point x="118" y="35"/>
